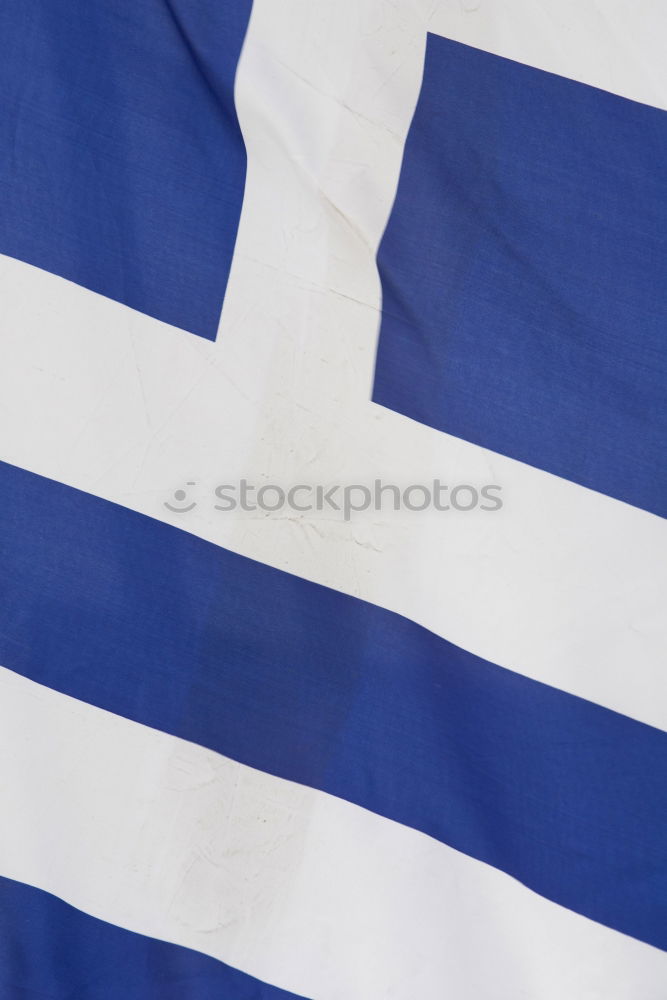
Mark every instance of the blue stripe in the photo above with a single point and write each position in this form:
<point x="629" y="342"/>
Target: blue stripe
<point x="523" y="273"/>
<point x="51" y="950"/>
<point x="122" y="164"/>
<point x="159" y="626"/>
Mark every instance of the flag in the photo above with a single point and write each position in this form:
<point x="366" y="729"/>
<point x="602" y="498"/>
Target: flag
<point x="333" y="560"/>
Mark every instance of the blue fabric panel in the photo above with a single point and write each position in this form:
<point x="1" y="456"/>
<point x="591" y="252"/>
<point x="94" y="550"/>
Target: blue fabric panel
<point x="307" y="683"/>
<point x="51" y="951"/>
<point x="122" y="165"/>
<point x="523" y="273"/>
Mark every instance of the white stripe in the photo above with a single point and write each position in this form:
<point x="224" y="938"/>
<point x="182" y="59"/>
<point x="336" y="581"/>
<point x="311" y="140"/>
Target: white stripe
<point x="618" y="46"/>
<point x="290" y="885"/>
<point x="563" y="585"/>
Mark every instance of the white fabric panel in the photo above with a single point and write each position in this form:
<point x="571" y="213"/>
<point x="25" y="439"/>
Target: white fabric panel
<point x="293" y="886"/>
<point x="563" y="585"/>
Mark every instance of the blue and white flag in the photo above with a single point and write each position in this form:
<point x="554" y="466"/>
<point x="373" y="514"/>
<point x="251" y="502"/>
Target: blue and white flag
<point x="333" y="561"/>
